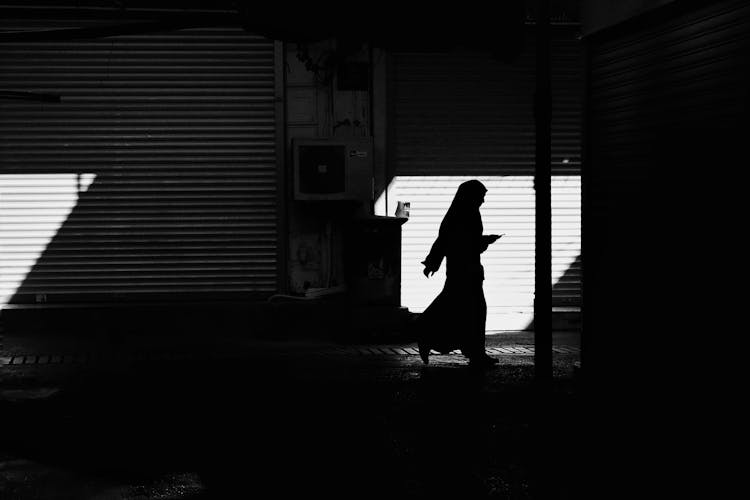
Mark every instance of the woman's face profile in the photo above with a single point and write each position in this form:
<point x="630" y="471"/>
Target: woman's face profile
<point x="471" y="194"/>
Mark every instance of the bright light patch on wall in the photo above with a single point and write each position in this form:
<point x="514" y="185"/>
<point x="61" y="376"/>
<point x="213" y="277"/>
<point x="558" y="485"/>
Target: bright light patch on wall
<point x="384" y="204"/>
<point x="509" y="263"/>
<point x="379" y="207"/>
<point x="32" y="209"/>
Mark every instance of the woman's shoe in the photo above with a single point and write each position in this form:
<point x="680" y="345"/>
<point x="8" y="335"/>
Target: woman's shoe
<point x="483" y="361"/>
<point x="490" y="360"/>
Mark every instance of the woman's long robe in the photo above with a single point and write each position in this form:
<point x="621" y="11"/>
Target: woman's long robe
<point x="456" y="318"/>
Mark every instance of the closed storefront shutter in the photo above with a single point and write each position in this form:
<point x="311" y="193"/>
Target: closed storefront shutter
<point x="648" y="83"/>
<point x="668" y="95"/>
<point x="154" y="176"/>
<point x="461" y="115"/>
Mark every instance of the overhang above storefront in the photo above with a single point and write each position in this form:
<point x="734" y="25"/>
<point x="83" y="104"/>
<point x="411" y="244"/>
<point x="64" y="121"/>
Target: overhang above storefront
<point x="499" y="29"/>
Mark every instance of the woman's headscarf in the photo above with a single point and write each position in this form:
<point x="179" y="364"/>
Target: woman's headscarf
<point x="461" y="228"/>
<point x="463" y="214"/>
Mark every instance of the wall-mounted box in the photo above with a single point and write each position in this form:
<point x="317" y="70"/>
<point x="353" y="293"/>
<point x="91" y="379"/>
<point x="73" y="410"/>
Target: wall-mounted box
<point x="372" y="259"/>
<point x="333" y="169"/>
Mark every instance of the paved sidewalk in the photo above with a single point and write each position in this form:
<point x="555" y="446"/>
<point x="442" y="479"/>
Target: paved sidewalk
<point x="55" y="350"/>
<point x="165" y="356"/>
<point x="238" y="418"/>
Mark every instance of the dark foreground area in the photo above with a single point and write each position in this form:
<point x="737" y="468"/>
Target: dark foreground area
<point x="286" y="420"/>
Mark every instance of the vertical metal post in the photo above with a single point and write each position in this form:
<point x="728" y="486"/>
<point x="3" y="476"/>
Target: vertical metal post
<point x="543" y="206"/>
<point x="543" y="469"/>
<point x="282" y="189"/>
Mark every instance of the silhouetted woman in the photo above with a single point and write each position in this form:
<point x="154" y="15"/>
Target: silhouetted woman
<point x="456" y="318"/>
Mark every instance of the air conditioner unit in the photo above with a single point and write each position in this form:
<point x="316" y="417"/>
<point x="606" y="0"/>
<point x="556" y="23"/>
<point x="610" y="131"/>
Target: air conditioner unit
<point x="333" y="169"/>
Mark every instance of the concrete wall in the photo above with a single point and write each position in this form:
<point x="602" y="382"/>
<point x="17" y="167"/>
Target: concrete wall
<point x="599" y="14"/>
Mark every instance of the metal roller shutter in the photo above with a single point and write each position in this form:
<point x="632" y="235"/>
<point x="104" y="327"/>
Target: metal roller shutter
<point x="154" y="176"/>
<point x="676" y="74"/>
<point x="667" y="104"/>
<point x="463" y="115"/>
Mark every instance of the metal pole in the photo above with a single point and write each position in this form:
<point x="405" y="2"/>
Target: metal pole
<point x="542" y="183"/>
<point x="543" y="468"/>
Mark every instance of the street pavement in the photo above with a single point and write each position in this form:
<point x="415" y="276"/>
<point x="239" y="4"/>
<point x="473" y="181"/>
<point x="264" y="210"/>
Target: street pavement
<point x="258" y="418"/>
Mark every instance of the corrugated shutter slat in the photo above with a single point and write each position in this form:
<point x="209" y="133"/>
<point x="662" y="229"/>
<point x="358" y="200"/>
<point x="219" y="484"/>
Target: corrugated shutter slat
<point x="462" y="115"/>
<point x="156" y="173"/>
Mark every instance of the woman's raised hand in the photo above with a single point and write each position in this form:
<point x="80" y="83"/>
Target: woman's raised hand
<point x="428" y="271"/>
